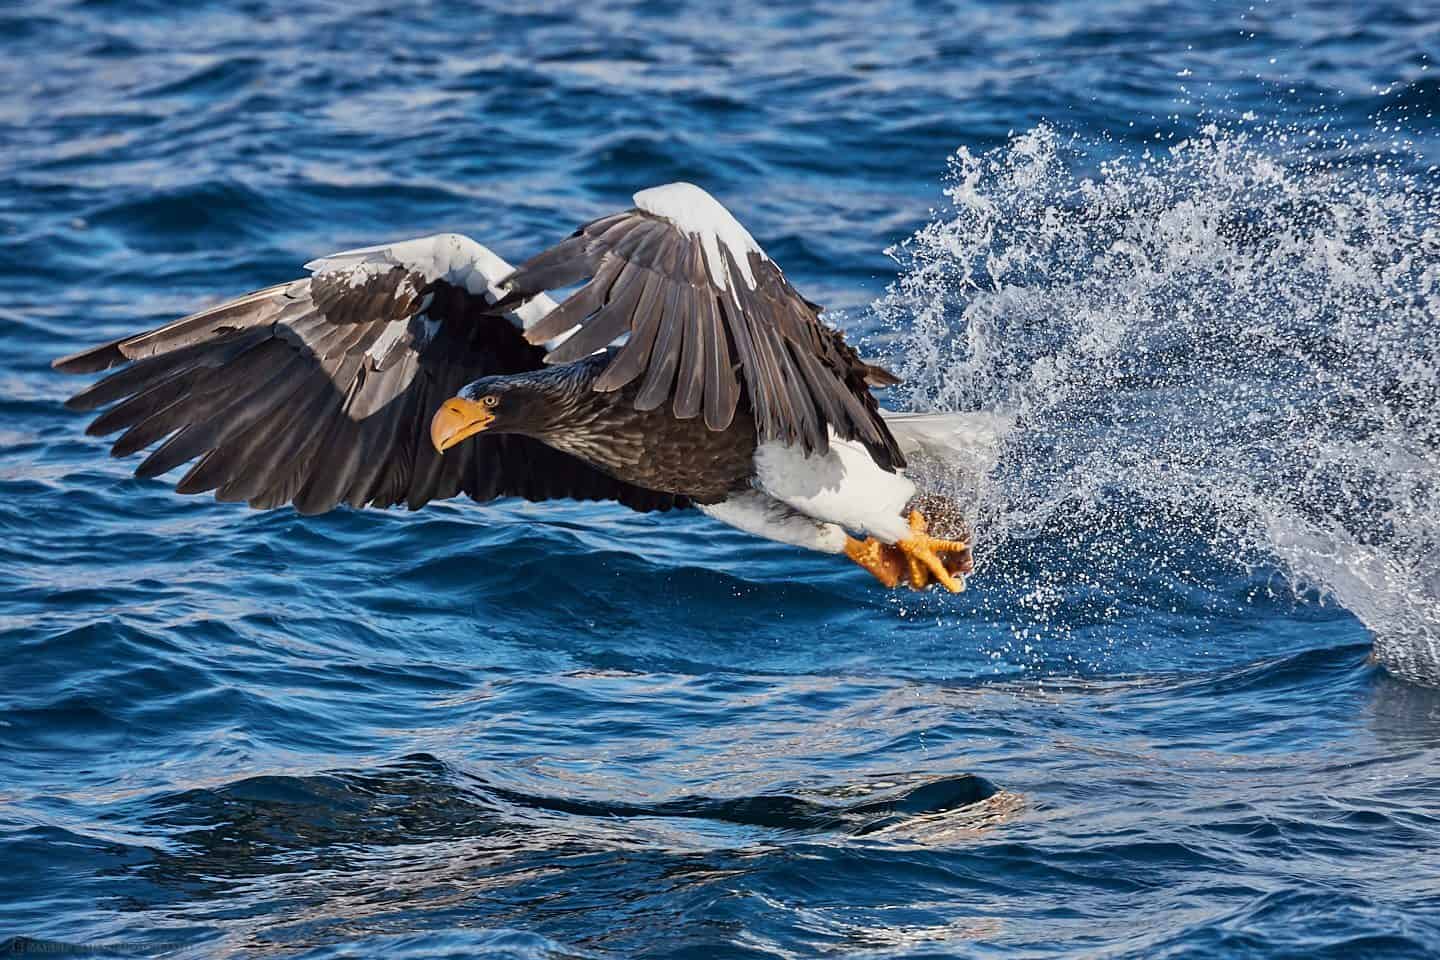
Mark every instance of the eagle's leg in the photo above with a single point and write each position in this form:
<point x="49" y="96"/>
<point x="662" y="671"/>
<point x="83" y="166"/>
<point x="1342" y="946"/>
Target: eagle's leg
<point x="922" y="556"/>
<point x="884" y="561"/>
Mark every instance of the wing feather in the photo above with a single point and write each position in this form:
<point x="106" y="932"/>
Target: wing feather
<point x="576" y="308"/>
<point x="320" y="391"/>
<point x="689" y="369"/>
<point x="610" y="322"/>
<point x="720" y="306"/>
<point x="721" y="388"/>
<point x="660" y="375"/>
<point x="633" y="358"/>
<point x="145" y="404"/>
<point x="236" y="435"/>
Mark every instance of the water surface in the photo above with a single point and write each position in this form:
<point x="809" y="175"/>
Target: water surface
<point x="1188" y="257"/>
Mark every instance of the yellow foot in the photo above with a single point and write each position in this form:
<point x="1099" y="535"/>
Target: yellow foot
<point x="884" y="561"/>
<point x="923" y="557"/>
<point x="918" y="560"/>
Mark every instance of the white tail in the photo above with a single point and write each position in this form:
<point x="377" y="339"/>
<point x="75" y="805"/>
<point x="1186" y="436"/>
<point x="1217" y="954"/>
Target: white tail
<point x="968" y="439"/>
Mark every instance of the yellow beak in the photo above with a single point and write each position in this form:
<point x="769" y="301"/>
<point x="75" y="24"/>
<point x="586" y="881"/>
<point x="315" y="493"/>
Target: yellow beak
<point x="457" y="419"/>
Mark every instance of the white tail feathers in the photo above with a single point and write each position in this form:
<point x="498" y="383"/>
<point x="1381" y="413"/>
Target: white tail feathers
<point x="969" y="439"/>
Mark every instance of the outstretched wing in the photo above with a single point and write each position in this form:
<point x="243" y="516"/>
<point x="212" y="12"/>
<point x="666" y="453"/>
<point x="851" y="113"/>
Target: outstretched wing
<point x="320" y="391"/>
<point x="698" y="298"/>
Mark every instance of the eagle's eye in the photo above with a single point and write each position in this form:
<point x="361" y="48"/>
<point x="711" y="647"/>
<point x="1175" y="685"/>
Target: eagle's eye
<point x="489" y="399"/>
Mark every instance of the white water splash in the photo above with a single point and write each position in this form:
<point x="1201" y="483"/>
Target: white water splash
<point x="1236" y="336"/>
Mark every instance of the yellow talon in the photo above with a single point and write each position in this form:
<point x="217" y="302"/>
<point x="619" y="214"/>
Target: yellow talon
<point x="917" y="559"/>
<point x="922" y="555"/>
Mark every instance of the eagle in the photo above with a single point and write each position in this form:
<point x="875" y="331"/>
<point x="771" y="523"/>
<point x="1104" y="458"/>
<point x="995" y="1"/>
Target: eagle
<point x="683" y="370"/>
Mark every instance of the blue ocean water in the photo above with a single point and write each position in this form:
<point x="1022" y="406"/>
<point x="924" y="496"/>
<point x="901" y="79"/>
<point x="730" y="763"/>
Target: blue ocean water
<point x="1186" y="255"/>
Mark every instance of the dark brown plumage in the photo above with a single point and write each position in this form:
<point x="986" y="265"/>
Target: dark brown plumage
<point x="688" y="337"/>
<point x="318" y="392"/>
<point x="645" y="447"/>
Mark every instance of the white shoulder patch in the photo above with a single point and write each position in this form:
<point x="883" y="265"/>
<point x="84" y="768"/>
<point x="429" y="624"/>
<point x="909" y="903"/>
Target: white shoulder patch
<point x="842" y="486"/>
<point x="697" y="213"/>
<point x="451" y="257"/>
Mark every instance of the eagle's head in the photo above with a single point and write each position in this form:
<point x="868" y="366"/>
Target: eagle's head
<point x="502" y="404"/>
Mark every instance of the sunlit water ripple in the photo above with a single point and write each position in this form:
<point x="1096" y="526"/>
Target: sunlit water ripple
<point x="1187" y="255"/>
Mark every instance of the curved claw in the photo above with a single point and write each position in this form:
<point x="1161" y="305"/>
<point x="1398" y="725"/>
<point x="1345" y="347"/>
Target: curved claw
<point x="922" y="556"/>
<point x="918" y="560"/>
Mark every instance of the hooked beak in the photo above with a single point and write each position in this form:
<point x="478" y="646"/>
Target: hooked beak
<point x="457" y="419"/>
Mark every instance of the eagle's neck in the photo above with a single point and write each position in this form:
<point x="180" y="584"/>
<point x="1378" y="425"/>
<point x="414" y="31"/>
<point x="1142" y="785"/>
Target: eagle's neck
<point x="603" y="429"/>
<point x="599" y="431"/>
<point x="648" y="448"/>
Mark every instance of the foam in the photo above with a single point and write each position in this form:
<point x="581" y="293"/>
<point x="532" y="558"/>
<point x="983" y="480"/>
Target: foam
<point x="1221" y="350"/>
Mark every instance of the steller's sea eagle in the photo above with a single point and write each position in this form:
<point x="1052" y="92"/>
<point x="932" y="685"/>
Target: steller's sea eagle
<point x="684" y="370"/>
